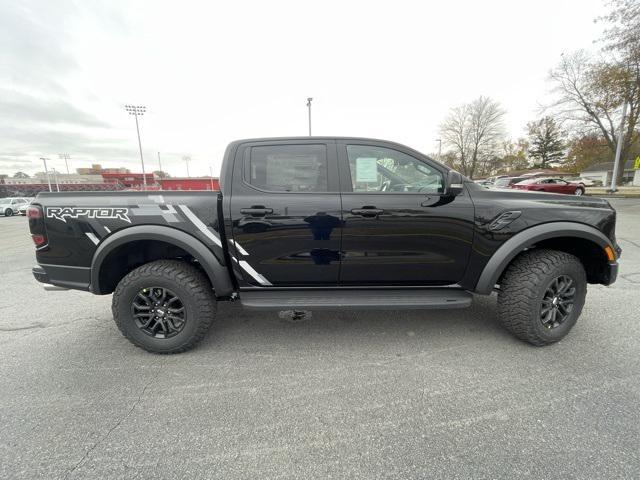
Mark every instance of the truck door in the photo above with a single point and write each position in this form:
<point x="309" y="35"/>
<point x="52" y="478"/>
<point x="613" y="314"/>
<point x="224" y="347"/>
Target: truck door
<point x="399" y="228"/>
<point x="285" y="212"/>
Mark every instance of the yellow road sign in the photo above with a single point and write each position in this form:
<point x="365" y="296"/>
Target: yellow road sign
<point x="636" y="164"/>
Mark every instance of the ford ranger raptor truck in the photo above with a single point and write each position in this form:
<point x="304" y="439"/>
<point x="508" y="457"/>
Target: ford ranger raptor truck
<point x="325" y="223"/>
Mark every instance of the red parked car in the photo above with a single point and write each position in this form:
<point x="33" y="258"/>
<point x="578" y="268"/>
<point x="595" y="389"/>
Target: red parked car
<point x="552" y="185"/>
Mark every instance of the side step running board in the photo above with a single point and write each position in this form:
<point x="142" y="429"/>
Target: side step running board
<point x="435" y="298"/>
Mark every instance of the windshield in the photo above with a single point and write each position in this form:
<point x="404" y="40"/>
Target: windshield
<point x="502" y="182"/>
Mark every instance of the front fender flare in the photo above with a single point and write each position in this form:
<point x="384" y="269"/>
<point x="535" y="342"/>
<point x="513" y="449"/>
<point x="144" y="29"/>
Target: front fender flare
<point x="215" y="270"/>
<point x="527" y="238"/>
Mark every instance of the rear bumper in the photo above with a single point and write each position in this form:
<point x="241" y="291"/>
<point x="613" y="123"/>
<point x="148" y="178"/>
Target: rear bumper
<point x="76" y="278"/>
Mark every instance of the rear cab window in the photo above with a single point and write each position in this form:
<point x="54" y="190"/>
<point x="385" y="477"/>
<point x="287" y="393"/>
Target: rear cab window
<point x="287" y="168"/>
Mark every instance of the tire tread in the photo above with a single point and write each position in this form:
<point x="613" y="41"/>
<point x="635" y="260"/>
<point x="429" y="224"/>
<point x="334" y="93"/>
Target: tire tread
<point x="180" y="272"/>
<point x="519" y="290"/>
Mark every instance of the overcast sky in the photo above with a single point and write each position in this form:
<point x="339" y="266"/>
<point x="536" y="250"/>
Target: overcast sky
<point x="212" y="72"/>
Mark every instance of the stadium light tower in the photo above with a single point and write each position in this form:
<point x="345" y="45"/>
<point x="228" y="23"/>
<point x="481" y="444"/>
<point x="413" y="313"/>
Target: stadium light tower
<point x="46" y="171"/>
<point x="138" y="110"/>
<point x="187" y="159"/>
<point x="65" y="157"/>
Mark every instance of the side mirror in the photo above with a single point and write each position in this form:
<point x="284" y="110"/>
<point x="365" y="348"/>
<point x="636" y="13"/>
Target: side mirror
<point x="454" y="183"/>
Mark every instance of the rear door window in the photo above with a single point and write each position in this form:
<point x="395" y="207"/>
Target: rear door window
<point x="287" y="168"/>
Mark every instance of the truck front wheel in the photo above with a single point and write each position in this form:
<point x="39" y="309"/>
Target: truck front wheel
<point x="166" y="306"/>
<point x="541" y="295"/>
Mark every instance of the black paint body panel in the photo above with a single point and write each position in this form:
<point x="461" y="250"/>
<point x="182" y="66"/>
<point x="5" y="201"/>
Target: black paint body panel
<point x="314" y="240"/>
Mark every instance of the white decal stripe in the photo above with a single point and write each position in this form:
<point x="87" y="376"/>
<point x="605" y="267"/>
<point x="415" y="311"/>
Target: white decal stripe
<point x="256" y="276"/>
<point x="107" y="229"/>
<point x="200" y="225"/>
<point x="92" y="237"/>
<point x="240" y="249"/>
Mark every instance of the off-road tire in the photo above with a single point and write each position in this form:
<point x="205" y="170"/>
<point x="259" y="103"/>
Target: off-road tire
<point x="523" y="287"/>
<point x="194" y="291"/>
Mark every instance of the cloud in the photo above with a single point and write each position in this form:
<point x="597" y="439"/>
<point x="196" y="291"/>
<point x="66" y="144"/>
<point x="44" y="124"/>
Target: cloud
<point x="24" y="109"/>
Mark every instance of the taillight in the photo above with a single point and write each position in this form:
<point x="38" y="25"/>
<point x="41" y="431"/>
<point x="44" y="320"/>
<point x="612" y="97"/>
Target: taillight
<point x="34" y="211"/>
<point x="35" y="215"/>
<point x="39" y="240"/>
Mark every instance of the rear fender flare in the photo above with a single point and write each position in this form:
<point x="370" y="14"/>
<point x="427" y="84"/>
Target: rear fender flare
<point x="215" y="270"/>
<point x="527" y="238"/>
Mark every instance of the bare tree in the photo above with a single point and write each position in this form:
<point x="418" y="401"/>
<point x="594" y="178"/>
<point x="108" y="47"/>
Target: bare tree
<point x="474" y="131"/>
<point x="591" y="93"/>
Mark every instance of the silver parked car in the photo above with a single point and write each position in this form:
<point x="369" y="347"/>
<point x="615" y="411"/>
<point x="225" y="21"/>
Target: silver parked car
<point x="11" y="205"/>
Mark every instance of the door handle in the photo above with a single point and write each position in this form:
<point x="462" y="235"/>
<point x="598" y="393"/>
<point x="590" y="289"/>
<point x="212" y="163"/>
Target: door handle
<point x="367" y="211"/>
<point x="256" y="211"/>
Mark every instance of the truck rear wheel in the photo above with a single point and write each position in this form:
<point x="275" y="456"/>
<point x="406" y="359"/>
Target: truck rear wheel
<point x="541" y="296"/>
<point x="166" y="306"/>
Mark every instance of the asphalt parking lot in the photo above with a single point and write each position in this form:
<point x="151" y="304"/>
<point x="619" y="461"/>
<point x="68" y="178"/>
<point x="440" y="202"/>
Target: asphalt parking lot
<point x="341" y="395"/>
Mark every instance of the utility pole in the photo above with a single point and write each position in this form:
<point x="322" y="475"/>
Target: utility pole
<point x="211" y="173"/>
<point x="309" y="100"/>
<point x="65" y="157"/>
<point x="187" y="159"/>
<point x="46" y="171"/>
<point x="439" y="140"/>
<point x="614" y="179"/>
<point x="136" y="110"/>
<point x="159" y="162"/>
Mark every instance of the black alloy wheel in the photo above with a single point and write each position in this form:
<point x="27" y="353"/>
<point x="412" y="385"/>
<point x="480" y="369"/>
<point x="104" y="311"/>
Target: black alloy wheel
<point x="158" y="312"/>
<point x="557" y="302"/>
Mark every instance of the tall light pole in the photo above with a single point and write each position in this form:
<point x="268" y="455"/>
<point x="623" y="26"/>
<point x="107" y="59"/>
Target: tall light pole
<point x="309" y="100"/>
<point x="187" y="159"/>
<point x="211" y="173"/>
<point x="46" y="171"/>
<point x="439" y="140"/>
<point x="614" y="179"/>
<point x="65" y="157"/>
<point x="159" y="162"/>
<point x="136" y="110"/>
<point x="55" y="178"/>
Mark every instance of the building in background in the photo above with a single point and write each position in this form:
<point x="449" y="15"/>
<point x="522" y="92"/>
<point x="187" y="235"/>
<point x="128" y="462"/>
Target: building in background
<point x="189" y="183"/>
<point x="604" y="171"/>
<point x="62" y="178"/>
<point x="128" y="180"/>
<point x="96" y="169"/>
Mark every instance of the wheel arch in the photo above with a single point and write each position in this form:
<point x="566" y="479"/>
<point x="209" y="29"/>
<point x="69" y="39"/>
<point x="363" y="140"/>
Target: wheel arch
<point x="216" y="272"/>
<point x="575" y="238"/>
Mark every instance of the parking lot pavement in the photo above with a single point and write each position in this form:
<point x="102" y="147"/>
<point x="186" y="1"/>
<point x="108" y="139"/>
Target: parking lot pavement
<point x="341" y="395"/>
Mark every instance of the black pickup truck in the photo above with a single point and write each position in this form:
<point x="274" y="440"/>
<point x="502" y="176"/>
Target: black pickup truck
<point x="325" y="223"/>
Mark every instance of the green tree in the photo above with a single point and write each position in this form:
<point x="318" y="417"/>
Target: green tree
<point x="546" y="141"/>
<point x="20" y="175"/>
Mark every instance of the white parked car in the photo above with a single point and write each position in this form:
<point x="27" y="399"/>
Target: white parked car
<point x="23" y="209"/>
<point x="11" y="205"/>
<point x="585" y="181"/>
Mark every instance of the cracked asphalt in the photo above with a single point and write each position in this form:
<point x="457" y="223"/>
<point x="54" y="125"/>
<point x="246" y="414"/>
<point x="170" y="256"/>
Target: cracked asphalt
<point x="445" y="394"/>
